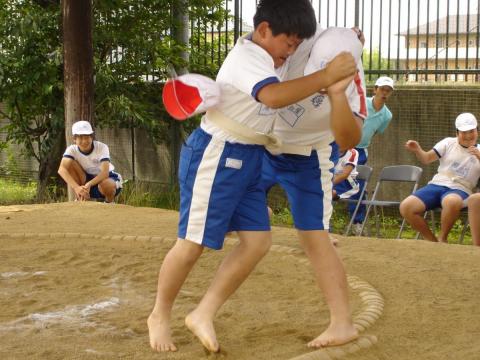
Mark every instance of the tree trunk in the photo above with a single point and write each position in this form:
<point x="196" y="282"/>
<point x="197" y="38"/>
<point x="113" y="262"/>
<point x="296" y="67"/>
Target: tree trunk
<point x="180" y="32"/>
<point x="78" y="63"/>
<point x="49" y="182"/>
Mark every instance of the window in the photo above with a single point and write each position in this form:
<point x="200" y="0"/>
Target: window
<point x="423" y="44"/>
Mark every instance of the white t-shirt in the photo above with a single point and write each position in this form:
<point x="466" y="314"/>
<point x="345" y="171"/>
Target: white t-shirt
<point x="349" y="158"/>
<point x="308" y="121"/>
<point x="90" y="162"/>
<point x="458" y="169"/>
<point x="246" y="69"/>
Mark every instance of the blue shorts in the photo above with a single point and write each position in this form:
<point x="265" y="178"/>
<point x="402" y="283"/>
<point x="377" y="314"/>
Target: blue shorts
<point x="95" y="191"/>
<point x="432" y="195"/>
<point x="307" y="181"/>
<point x="219" y="189"/>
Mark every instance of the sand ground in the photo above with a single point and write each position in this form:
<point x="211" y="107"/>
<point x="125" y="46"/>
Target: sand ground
<point x="69" y="296"/>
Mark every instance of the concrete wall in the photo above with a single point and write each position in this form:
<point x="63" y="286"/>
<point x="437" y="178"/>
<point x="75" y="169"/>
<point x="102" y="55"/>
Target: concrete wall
<point x="426" y="114"/>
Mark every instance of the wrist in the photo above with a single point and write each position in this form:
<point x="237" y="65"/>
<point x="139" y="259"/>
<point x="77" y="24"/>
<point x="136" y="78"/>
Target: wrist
<point x="335" y="92"/>
<point x="325" y="78"/>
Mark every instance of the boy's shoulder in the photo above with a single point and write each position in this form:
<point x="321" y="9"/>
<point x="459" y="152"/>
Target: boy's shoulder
<point x="448" y="141"/>
<point x="245" y="51"/>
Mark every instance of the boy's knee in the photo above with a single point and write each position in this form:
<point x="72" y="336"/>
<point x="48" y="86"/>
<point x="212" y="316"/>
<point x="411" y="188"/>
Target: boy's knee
<point x="473" y="200"/>
<point x="259" y="246"/>
<point x="404" y="209"/>
<point x="107" y="187"/>
<point x="453" y="203"/>
<point x="411" y="206"/>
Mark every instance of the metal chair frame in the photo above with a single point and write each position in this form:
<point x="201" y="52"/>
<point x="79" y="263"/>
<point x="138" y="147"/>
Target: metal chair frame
<point x="364" y="173"/>
<point x="395" y="173"/>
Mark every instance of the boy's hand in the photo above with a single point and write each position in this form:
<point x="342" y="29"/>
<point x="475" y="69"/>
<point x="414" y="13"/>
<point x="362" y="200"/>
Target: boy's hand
<point x="81" y="193"/>
<point x="474" y="151"/>
<point x="360" y="34"/>
<point x="412" y="145"/>
<point x="340" y="86"/>
<point x="342" y="66"/>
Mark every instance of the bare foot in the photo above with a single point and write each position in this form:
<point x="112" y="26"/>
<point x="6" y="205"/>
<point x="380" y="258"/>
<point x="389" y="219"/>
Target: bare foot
<point x="159" y="333"/>
<point x="203" y="329"/>
<point x="333" y="336"/>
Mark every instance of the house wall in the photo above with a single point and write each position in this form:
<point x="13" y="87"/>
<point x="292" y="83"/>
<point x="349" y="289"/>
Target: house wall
<point x="442" y="40"/>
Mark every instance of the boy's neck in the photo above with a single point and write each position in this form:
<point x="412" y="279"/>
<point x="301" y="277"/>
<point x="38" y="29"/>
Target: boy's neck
<point x="378" y="103"/>
<point x="255" y="37"/>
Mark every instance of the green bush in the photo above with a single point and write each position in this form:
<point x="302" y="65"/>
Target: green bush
<point x="12" y="192"/>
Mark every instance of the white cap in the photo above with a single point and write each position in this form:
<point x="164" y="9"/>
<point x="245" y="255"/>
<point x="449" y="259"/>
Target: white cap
<point x="384" y="81"/>
<point x="190" y="94"/>
<point x="329" y="44"/>
<point x="82" y="127"/>
<point x="465" y="122"/>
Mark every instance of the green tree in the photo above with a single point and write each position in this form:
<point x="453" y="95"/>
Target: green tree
<point x="373" y="61"/>
<point x="31" y="78"/>
<point x="132" y="48"/>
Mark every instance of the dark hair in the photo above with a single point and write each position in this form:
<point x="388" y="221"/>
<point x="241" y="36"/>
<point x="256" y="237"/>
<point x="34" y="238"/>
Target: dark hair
<point x="290" y="17"/>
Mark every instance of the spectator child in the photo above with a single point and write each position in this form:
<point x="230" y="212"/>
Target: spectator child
<point x="86" y="166"/>
<point x="457" y="175"/>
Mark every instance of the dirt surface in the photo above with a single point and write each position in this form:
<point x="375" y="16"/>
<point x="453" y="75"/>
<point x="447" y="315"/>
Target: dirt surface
<point x="78" y="280"/>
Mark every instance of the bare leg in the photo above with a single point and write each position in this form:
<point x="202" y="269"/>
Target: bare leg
<point x="77" y="172"/>
<point x="173" y="272"/>
<point x="451" y="206"/>
<point x="331" y="279"/>
<point x="474" y="216"/>
<point x="233" y="271"/>
<point x="413" y="209"/>
<point x="108" y="188"/>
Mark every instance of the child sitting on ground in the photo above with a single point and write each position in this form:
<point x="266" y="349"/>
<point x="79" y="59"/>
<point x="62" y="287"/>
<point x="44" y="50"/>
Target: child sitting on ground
<point x="86" y="166"/>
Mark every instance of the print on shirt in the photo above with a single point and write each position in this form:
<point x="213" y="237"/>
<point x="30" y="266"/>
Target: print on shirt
<point x="317" y="100"/>
<point x="292" y="113"/>
<point x="462" y="169"/>
<point x="266" y="111"/>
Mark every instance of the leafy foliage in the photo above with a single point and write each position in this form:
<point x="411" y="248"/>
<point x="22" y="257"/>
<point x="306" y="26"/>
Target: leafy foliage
<point x="374" y="61"/>
<point x="133" y="44"/>
<point x="31" y="85"/>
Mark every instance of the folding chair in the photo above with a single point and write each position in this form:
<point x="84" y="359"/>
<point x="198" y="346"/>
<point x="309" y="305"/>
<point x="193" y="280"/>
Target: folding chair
<point x="364" y="173"/>
<point x="396" y="173"/>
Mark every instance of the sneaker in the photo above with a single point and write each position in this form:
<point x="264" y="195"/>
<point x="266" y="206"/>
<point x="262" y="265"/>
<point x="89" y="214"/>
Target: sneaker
<point x="357" y="229"/>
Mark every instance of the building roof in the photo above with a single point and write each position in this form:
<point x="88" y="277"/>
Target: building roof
<point x="471" y="19"/>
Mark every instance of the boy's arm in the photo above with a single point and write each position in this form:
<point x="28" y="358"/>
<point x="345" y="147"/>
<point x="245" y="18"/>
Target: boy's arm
<point x="65" y="164"/>
<point x="338" y="178"/>
<point x="346" y="127"/>
<point x="102" y="175"/>
<point x="281" y="94"/>
<point x="425" y="157"/>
